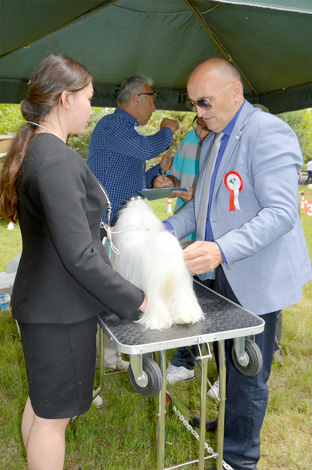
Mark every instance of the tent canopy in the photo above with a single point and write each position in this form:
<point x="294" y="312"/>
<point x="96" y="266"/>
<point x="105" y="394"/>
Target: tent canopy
<point x="269" y="41"/>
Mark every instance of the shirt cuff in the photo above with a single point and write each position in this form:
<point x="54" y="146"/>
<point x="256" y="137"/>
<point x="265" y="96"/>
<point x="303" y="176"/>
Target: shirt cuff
<point x="151" y="174"/>
<point x="223" y="255"/>
<point x="168" y="227"/>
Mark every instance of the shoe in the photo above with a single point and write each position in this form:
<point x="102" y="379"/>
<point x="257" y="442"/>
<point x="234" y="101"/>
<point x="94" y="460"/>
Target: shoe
<point x="178" y="374"/>
<point x="119" y="365"/>
<point x="277" y="356"/>
<point x="122" y="365"/>
<point x="112" y="358"/>
<point x="214" y="391"/>
<point x="211" y="424"/>
<point x="223" y="468"/>
<point x="98" y="401"/>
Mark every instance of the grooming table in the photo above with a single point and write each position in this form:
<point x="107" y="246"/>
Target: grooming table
<point x="223" y="320"/>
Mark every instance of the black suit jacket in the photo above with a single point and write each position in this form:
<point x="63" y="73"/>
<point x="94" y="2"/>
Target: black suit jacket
<point x="64" y="274"/>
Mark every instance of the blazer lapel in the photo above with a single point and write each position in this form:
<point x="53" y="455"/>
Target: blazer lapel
<point x="240" y="123"/>
<point x="230" y="150"/>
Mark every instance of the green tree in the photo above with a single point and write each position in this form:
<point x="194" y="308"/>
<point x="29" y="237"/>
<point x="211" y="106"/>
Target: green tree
<point x="307" y="120"/>
<point x="185" y="125"/>
<point x="80" y="142"/>
<point x="11" y="119"/>
<point x="301" y="123"/>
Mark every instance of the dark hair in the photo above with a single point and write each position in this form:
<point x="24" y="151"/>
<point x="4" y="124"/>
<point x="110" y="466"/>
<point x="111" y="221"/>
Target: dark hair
<point x="55" y="74"/>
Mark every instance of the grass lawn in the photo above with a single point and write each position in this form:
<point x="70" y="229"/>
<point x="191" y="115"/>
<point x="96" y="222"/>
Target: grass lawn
<point x="122" y="435"/>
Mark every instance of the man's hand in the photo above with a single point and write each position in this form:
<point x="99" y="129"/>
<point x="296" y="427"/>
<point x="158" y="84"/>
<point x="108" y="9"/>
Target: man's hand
<point x="160" y="182"/>
<point x="201" y="257"/>
<point x="171" y="123"/>
<point x="186" y="196"/>
<point x="166" y="161"/>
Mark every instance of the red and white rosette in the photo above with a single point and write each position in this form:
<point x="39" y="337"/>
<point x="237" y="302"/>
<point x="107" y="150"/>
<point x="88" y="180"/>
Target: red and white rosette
<point x="234" y="183"/>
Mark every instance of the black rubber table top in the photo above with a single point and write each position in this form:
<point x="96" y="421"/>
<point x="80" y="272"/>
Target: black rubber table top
<point x="223" y="320"/>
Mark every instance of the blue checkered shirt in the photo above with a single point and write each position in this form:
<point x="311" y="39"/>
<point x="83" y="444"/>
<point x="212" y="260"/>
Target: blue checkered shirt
<point x="118" y="154"/>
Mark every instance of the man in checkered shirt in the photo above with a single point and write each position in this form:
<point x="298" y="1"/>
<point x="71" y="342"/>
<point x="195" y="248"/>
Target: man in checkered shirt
<point x="118" y="152"/>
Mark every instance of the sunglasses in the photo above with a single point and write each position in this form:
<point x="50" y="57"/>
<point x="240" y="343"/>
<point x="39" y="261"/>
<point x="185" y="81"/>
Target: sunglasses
<point x="204" y="103"/>
<point x="154" y="95"/>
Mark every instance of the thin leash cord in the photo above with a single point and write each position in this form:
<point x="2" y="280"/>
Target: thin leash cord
<point x="42" y="127"/>
<point x="109" y="237"/>
<point x="108" y="240"/>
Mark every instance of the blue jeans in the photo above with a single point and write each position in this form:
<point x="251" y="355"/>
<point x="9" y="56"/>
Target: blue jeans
<point x="246" y="397"/>
<point x="309" y="177"/>
<point x="184" y="358"/>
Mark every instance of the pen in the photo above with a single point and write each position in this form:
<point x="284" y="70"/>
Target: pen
<point x="163" y="174"/>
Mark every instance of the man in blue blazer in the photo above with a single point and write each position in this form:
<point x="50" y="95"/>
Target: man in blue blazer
<point x="249" y="230"/>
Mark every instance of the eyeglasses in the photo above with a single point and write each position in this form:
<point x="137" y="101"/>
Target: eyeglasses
<point x="154" y="95"/>
<point x="204" y="103"/>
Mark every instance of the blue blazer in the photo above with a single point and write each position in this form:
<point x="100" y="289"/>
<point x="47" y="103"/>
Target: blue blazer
<point x="267" y="260"/>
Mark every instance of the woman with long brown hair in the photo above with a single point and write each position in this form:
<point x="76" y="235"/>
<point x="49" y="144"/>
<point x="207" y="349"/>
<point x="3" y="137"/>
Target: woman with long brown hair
<point x="64" y="278"/>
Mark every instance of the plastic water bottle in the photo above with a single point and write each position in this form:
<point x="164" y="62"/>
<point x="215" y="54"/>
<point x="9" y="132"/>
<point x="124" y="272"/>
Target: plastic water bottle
<point x="5" y="304"/>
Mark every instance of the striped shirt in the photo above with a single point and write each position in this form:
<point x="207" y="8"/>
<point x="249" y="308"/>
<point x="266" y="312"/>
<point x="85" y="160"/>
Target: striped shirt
<point x="185" y="166"/>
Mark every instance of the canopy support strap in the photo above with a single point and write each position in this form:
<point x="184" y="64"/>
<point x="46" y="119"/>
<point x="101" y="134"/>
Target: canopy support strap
<point x="216" y="40"/>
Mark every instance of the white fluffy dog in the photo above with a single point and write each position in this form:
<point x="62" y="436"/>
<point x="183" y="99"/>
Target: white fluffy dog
<point x="152" y="259"/>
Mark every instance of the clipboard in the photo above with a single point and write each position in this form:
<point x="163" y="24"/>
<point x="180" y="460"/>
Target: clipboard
<point x="159" y="193"/>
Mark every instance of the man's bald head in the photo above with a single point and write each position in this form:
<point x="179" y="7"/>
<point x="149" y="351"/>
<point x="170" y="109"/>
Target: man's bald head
<point x="215" y="88"/>
<point x="225" y="69"/>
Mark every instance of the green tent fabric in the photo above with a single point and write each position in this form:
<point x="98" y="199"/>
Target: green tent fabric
<point x="269" y="41"/>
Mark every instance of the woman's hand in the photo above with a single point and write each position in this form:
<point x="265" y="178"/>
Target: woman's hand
<point x="163" y="182"/>
<point x="143" y="305"/>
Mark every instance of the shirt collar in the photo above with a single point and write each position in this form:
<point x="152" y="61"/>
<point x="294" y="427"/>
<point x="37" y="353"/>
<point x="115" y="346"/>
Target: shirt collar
<point x="228" y="129"/>
<point x="125" y="115"/>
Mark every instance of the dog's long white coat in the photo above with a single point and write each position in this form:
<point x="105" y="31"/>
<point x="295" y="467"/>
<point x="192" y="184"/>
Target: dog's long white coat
<point x="152" y="259"/>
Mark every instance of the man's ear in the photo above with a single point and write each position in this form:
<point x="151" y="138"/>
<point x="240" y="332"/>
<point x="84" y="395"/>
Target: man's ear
<point x="65" y="99"/>
<point x="238" y="89"/>
<point x="136" y="100"/>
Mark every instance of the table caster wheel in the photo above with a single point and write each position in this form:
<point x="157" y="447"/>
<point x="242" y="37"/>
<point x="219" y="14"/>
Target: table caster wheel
<point x="151" y="380"/>
<point x="252" y="362"/>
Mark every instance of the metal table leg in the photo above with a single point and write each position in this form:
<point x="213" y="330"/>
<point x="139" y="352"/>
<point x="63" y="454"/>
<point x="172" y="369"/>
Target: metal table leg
<point x="203" y="400"/>
<point x="101" y="381"/>
<point x="161" y="415"/>
<point x="222" y="378"/>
